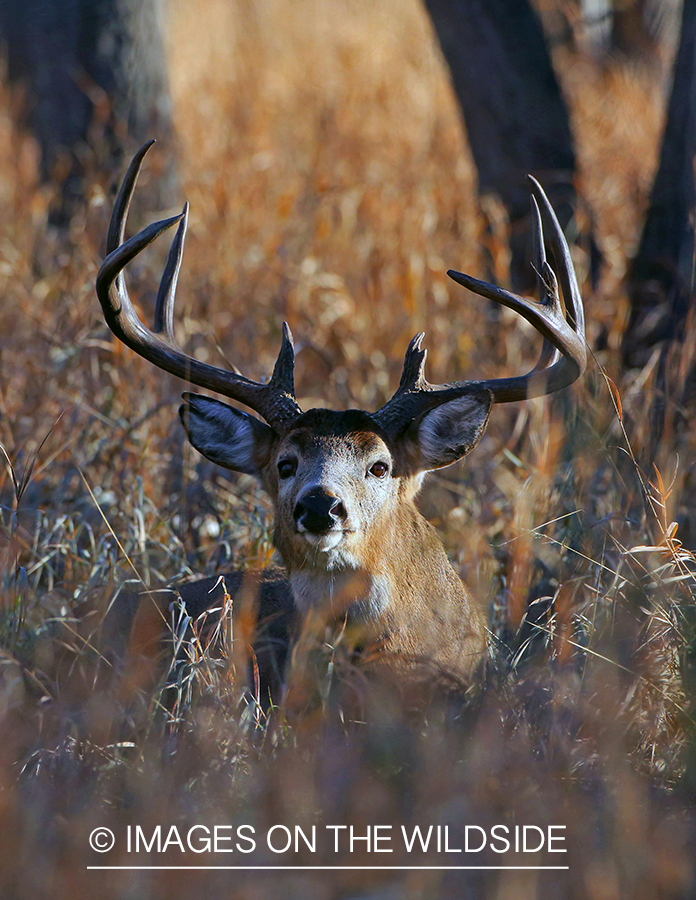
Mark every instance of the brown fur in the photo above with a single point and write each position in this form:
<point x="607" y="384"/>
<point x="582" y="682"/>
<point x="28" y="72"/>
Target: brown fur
<point x="393" y="583"/>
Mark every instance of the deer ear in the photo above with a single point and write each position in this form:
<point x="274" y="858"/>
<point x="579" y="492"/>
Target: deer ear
<point x="450" y="431"/>
<point x="225" y="435"/>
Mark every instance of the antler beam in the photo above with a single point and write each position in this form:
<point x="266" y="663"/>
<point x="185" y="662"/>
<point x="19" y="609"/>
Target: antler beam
<point x="274" y="400"/>
<point x="563" y="355"/>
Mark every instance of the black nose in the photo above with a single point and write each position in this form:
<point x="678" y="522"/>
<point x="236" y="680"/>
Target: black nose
<point x="319" y="511"/>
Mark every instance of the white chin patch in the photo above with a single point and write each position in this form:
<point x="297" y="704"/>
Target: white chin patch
<point x="323" y="542"/>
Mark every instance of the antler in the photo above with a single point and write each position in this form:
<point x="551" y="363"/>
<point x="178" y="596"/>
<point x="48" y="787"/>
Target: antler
<point x="563" y="356"/>
<point x="274" y="400"/>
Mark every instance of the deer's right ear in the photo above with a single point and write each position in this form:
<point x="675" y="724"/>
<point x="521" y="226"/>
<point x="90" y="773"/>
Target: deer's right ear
<point x="225" y="435"/>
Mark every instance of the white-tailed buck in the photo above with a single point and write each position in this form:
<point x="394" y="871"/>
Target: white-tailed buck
<point x="343" y="484"/>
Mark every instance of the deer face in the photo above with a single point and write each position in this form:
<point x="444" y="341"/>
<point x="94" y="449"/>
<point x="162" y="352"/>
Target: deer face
<point x="333" y="485"/>
<point x="337" y="480"/>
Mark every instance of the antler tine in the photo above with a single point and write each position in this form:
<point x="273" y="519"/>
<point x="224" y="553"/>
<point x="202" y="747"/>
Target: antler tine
<point x="117" y="224"/>
<point x="564" y="262"/>
<point x="547" y="284"/>
<point x="116" y="303"/>
<point x="563" y="355"/>
<point x="166" y="295"/>
<point x="413" y="375"/>
<point x="274" y="400"/>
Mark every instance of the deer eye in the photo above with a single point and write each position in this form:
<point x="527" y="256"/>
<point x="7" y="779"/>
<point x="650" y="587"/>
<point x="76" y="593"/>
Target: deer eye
<point x="379" y="469"/>
<point x="287" y="468"/>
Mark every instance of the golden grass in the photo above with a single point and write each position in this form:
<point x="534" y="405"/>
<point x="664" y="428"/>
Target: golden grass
<point x="330" y="185"/>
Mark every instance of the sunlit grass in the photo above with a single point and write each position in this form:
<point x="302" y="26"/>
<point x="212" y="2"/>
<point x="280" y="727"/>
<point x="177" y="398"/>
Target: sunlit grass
<point x="330" y="186"/>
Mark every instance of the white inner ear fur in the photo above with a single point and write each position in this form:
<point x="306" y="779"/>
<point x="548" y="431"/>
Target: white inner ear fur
<point x="450" y="431"/>
<point x="222" y="434"/>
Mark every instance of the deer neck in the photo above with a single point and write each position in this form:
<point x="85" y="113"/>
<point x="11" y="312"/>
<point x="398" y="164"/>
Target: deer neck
<point x="403" y="561"/>
<point x="402" y="595"/>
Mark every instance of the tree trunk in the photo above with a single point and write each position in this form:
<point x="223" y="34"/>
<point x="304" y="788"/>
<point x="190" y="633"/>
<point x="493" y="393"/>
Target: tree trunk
<point x="515" y="117"/>
<point x="94" y="71"/>
<point x="661" y="274"/>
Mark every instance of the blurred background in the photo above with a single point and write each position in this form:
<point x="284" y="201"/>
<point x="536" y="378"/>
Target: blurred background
<point x="339" y="157"/>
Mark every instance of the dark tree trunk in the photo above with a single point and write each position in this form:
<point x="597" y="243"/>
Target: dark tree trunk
<point x="661" y="274"/>
<point x="515" y="117"/>
<point x="94" y="70"/>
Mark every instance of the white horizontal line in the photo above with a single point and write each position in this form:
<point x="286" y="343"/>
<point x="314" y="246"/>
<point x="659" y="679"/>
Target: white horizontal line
<point x="332" y="868"/>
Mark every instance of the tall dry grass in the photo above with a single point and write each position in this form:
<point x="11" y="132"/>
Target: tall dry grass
<point x="330" y="185"/>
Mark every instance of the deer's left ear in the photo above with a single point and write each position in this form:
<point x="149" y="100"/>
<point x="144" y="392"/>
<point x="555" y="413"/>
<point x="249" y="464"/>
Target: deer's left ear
<point x="450" y="431"/>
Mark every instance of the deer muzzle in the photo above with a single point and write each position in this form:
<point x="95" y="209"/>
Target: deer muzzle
<point x="318" y="511"/>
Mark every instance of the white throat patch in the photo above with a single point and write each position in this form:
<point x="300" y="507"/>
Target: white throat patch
<point x="343" y="591"/>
